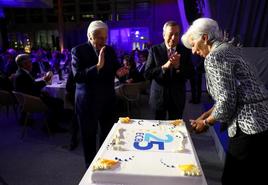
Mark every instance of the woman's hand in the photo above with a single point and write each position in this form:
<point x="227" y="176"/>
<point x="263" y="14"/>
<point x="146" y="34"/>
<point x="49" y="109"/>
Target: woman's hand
<point x="202" y="123"/>
<point x="203" y="116"/>
<point x="199" y="125"/>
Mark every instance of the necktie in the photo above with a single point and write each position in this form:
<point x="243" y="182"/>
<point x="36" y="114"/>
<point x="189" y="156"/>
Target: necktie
<point x="170" y="52"/>
<point x="140" y="67"/>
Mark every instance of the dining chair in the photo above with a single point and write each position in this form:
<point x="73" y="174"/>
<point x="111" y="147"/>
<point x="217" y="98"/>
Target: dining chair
<point x="7" y="99"/>
<point x="131" y="94"/>
<point x="29" y="104"/>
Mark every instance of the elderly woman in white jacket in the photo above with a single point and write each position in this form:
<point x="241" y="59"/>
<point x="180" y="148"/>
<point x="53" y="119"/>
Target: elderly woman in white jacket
<point x="240" y="103"/>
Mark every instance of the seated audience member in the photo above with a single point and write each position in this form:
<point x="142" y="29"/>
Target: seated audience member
<point x="2" y="63"/>
<point x="134" y="53"/>
<point x="5" y="82"/>
<point x="66" y="59"/>
<point x="25" y="83"/>
<point x="142" y="56"/>
<point x="55" y="63"/>
<point x="129" y="68"/>
<point x="40" y="63"/>
<point x="10" y="66"/>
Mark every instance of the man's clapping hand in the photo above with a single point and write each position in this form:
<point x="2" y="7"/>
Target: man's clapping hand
<point x="175" y="60"/>
<point x="100" y="63"/>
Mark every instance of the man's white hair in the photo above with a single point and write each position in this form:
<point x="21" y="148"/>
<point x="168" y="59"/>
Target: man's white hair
<point x="169" y="23"/>
<point x="21" y="58"/>
<point x="202" y="26"/>
<point x="95" y="25"/>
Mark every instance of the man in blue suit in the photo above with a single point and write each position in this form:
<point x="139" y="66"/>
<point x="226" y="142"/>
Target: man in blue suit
<point x="168" y="66"/>
<point x="94" y="66"/>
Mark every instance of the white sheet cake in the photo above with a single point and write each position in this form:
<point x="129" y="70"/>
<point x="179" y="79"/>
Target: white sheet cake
<point x="147" y="152"/>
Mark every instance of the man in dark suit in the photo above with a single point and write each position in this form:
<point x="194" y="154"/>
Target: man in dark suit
<point x="142" y="55"/>
<point x="10" y="64"/>
<point x="94" y="67"/>
<point x="25" y="83"/>
<point x="40" y="63"/>
<point x="168" y="66"/>
<point x="40" y="67"/>
<point x="23" y="80"/>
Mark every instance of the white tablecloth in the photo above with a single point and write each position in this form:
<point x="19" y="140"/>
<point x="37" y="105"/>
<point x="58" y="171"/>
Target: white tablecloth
<point x="57" y="87"/>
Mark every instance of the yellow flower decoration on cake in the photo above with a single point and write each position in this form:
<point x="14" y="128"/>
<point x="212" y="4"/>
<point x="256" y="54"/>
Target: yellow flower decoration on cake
<point x="177" y="122"/>
<point x="124" y="120"/>
<point x="190" y="170"/>
<point x="105" y="164"/>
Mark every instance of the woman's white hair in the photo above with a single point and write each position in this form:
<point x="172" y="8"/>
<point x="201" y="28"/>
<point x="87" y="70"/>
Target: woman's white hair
<point x="94" y="26"/>
<point x="202" y="26"/>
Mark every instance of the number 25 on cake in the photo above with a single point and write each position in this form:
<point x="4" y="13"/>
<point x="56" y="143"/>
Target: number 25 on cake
<point x="147" y="152"/>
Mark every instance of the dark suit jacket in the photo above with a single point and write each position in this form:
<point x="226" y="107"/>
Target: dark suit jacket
<point x="171" y="83"/>
<point x="5" y="83"/>
<point x="70" y="87"/>
<point x="133" y="74"/>
<point x="10" y="68"/>
<point x="25" y="83"/>
<point x="94" y="89"/>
